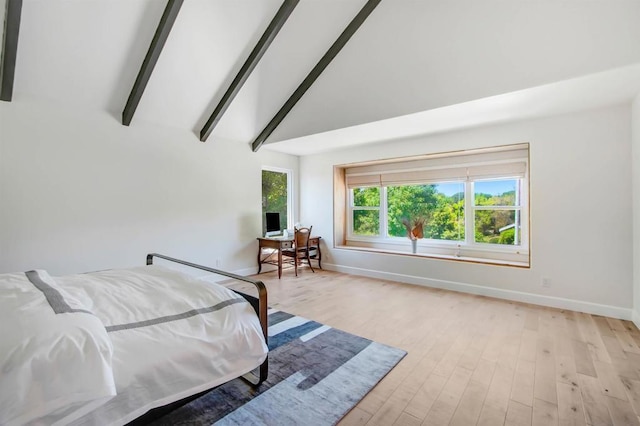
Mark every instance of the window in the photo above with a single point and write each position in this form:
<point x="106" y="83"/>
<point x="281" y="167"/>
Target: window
<point x="440" y="204"/>
<point x="473" y="204"/>
<point x="366" y="211"/>
<point x="276" y="195"/>
<point x="497" y="211"/>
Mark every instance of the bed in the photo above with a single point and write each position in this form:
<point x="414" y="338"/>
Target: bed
<point x="108" y="347"/>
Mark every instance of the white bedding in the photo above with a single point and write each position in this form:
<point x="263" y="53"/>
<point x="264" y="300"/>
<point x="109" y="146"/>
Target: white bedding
<point x="172" y="336"/>
<point x="55" y="357"/>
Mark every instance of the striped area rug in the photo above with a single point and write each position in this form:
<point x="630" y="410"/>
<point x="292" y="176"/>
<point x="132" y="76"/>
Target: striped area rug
<point x="316" y="375"/>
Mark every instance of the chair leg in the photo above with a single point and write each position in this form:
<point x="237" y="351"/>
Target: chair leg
<point x="295" y="265"/>
<point x="309" y="262"/>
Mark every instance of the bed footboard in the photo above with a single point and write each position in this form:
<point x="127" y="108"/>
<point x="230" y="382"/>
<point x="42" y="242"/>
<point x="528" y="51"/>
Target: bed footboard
<point x="259" y="304"/>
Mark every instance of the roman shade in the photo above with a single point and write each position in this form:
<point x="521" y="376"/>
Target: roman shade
<point x="496" y="162"/>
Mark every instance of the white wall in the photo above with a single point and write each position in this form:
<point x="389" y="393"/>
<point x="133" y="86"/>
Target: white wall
<point x="580" y="213"/>
<point x="635" y="134"/>
<point x="80" y="192"/>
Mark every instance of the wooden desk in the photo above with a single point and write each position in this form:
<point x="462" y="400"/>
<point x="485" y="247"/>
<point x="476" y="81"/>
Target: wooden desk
<point x="278" y="244"/>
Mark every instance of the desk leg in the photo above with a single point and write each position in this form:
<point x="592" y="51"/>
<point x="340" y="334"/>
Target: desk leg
<point x="279" y="263"/>
<point x="259" y="260"/>
<point x="319" y="256"/>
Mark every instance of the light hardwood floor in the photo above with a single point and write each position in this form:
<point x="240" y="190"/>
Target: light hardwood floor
<point x="473" y="359"/>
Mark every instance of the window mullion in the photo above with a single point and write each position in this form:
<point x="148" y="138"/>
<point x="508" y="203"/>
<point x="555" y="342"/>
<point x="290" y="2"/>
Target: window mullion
<point x="497" y="208"/>
<point x="469" y="213"/>
<point x="350" y="212"/>
<point x="365" y="208"/>
<point x="518" y="216"/>
<point x="383" y="212"/>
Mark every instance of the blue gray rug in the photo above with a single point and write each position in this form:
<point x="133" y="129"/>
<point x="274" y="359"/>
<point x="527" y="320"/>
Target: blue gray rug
<point x="316" y="375"/>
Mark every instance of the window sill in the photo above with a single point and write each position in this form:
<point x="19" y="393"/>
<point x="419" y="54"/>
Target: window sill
<point x="467" y="259"/>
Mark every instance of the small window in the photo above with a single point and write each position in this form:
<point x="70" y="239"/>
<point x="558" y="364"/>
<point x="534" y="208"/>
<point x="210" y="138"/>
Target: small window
<point x="365" y="211"/>
<point x="497" y="211"/>
<point x="276" y="189"/>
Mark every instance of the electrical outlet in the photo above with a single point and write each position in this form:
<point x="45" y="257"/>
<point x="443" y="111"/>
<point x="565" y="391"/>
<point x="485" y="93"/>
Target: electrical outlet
<point x="546" y="282"/>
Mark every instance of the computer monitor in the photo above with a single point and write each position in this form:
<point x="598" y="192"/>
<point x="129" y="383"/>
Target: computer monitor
<point x="273" y="223"/>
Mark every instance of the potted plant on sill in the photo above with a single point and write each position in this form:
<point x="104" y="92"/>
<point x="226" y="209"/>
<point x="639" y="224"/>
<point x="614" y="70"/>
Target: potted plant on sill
<point x="414" y="230"/>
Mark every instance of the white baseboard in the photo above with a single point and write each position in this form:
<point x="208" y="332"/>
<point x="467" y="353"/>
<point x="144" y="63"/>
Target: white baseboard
<point x="517" y="296"/>
<point x="636" y="318"/>
<point x="250" y="271"/>
<point x="242" y="272"/>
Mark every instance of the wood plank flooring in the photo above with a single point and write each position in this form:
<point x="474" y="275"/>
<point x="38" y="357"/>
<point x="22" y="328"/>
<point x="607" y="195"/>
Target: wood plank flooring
<point x="473" y="359"/>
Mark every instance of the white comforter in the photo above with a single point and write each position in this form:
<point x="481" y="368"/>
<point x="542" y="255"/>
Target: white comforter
<point x="55" y="356"/>
<point x="172" y="336"/>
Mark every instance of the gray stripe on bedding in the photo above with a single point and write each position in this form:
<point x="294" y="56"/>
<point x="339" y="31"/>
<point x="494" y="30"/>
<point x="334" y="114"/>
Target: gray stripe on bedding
<point x="53" y="296"/>
<point x="176" y="317"/>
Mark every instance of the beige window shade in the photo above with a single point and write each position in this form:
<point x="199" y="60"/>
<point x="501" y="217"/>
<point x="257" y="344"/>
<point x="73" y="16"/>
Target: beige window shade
<point x="359" y="181"/>
<point x="510" y="161"/>
<point x="424" y="176"/>
<point x="497" y="170"/>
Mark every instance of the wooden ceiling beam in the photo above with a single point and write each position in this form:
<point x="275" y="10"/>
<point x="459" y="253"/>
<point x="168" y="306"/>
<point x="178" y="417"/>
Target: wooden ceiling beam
<point x="247" y="68"/>
<point x="10" y="48"/>
<point x="150" y="60"/>
<point x="335" y="48"/>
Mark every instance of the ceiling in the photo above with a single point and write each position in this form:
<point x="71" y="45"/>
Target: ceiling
<point x="413" y="67"/>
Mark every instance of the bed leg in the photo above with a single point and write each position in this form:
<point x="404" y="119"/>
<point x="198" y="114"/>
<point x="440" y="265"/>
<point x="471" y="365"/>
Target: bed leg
<point x="259" y="375"/>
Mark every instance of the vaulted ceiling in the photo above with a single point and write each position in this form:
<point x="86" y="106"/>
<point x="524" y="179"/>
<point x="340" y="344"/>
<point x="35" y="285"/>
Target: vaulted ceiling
<point x="414" y="66"/>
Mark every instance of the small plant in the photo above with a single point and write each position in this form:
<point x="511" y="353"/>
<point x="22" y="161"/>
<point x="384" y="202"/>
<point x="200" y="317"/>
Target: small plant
<point x="414" y="227"/>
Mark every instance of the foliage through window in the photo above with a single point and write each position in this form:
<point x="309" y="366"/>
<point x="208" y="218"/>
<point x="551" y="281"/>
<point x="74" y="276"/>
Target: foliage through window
<point x="275" y="196"/>
<point x="441" y="205"/>
<point x="497" y="211"/>
<point x="366" y="211"/>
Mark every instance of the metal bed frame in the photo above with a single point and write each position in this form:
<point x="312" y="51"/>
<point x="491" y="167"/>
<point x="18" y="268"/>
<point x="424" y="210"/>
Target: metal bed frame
<point x="259" y="304"/>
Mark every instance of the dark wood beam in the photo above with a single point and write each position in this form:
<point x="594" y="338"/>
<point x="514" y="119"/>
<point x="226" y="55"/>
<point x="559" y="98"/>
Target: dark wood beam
<point x="157" y="43"/>
<point x="256" y="54"/>
<point x="10" y="48"/>
<point x="315" y="72"/>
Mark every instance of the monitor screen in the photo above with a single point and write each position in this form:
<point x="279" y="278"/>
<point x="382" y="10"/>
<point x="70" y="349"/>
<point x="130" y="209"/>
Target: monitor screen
<point x="273" y="221"/>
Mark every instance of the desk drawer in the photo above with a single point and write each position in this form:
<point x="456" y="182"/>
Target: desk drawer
<point x="286" y="244"/>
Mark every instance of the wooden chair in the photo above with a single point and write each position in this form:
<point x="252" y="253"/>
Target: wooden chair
<point x="300" y="250"/>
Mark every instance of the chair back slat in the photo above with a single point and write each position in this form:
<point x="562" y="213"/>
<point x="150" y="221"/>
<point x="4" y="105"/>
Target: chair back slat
<point x="302" y="237"/>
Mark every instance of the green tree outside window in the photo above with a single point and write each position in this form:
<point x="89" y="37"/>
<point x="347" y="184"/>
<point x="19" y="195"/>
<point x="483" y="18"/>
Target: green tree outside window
<point x="274" y="196"/>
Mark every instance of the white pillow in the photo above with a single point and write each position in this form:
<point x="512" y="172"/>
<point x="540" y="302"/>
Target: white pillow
<point x="55" y="356"/>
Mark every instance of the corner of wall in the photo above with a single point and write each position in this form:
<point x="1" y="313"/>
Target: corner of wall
<point x="635" y="165"/>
